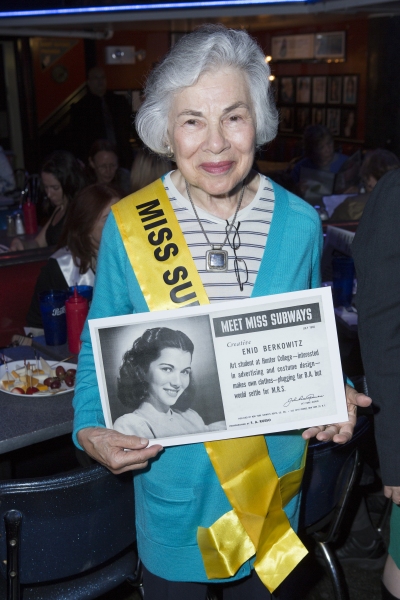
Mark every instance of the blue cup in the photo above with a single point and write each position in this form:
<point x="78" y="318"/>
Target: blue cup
<point x="83" y="290"/>
<point x="342" y="280"/>
<point x="52" y="308"/>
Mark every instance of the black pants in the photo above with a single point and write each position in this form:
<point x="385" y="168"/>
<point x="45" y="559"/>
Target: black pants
<point x="156" y="588"/>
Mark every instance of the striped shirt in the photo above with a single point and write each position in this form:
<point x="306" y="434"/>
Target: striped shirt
<point x="254" y="219"/>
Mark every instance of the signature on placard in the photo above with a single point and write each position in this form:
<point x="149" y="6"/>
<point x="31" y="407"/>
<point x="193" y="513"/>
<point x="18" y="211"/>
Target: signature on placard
<point x="301" y="399"/>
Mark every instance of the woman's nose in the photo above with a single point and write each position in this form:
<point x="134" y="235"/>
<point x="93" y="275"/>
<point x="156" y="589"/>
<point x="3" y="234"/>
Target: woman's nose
<point x="176" y="380"/>
<point x="216" y="141"/>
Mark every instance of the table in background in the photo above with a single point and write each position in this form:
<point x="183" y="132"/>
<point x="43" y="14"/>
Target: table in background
<point x="27" y="420"/>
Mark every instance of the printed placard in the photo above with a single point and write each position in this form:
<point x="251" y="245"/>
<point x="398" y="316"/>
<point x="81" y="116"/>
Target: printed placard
<point x="219" y="371"/>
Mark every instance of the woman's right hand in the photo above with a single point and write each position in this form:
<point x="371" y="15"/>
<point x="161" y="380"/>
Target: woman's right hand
<point x="393" y="493"/>
<point x="116" y="451"/>
<point x="16" y="245"/>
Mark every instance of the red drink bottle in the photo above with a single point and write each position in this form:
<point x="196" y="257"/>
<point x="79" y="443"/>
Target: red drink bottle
<point x="77" y="309"/>
<point x="30" y="220"/>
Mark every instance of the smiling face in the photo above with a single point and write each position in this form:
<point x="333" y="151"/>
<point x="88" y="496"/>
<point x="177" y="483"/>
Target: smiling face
<point x="168" y="377"/>
<point x="53" y="189"/>
<point x="211" y="130"/>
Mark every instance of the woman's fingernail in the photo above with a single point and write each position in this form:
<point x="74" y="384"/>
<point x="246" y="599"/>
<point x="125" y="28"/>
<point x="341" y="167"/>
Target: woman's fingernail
<point x="143" y="441"/>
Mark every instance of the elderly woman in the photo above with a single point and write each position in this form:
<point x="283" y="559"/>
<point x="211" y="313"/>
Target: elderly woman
<point x="235" y="234"/>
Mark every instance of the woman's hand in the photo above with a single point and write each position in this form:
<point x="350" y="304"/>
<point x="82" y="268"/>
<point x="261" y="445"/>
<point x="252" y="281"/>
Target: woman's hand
<point x="392" y="492"/>
<point x="116" y="451"/>
<point x="16" y="245"/>
<point x="340" y="432"/>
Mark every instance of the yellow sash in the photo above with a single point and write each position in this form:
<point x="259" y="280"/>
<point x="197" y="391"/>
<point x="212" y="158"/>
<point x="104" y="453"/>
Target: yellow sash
<point x="257" y="524"/>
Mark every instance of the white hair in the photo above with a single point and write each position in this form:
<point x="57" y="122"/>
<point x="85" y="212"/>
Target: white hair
<point x="207" y="49"/>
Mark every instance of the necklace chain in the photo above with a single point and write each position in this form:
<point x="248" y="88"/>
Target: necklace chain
<point x="201" y="224"/>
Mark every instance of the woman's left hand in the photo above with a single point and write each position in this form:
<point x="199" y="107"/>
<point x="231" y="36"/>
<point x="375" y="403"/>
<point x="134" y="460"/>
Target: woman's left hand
<point x="340" y="432"/>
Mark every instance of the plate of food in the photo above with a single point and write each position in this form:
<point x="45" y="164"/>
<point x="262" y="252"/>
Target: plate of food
<point x="37" y="377"/>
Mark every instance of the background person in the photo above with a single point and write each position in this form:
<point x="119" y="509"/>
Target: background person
<point x="375" y="165"/>
<point x="146" y="168"/>
<point x="101" y="114"/>
<point x="155" y="374"/>
<point x="376" y="256"/>
<point x="75" y="261"/>
<point x="61" y="177"/>
<point x="104" y="167"/>
<point x="319" y="152"/>
<point x="208" y="104"/>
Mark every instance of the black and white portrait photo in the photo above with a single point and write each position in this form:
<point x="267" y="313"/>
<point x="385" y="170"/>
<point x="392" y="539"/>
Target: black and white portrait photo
<point x="162" y="381"/>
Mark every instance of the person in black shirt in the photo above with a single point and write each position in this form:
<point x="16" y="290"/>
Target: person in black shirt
<point x="101" y="114"/>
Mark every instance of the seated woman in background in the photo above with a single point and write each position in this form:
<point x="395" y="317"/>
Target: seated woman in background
<point x="104" y="167"/>
<point x="62" y="177"/>
<point x="147" y="168"/>
<point x="75" y="261"/>
<point x="319" y="152"/>
<point x="375" y="165"/>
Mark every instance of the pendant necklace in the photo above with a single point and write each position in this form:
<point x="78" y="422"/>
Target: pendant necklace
<point x="216" y="258"/>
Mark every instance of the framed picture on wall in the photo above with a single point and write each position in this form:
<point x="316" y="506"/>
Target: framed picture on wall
<point x="318" y="115"/>
<point x="349" y="123"/>
<point x="286" y="89"/>
<point x="319" y="90"/>
<point x="350" y="85"/>
<point x="292" y="47"/>
<point x="303" y="90"/>
<point x="302" y="118"/>
<point x="330" y="45"/>
<point x="286" y="119"/>
<point x="334" y="89"/>
<point x="333" y="120"/>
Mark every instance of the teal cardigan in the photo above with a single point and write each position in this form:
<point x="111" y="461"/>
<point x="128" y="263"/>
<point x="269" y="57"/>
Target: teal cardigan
<point x="180" y="491"/>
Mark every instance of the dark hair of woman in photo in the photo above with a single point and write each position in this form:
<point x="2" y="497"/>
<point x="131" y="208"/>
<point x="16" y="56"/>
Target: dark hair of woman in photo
<point x="103" y="167"/>
<point x="146" y="168"/>
<point x="61" y="177"/>
<point x="74" y="263"/>
<point x="132" y="381"/>
<point x="155" y="383"/>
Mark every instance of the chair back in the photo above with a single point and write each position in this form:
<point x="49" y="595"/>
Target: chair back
<point x="329" y="474"/>
<point x="69" y="523"/>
